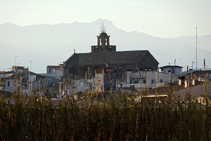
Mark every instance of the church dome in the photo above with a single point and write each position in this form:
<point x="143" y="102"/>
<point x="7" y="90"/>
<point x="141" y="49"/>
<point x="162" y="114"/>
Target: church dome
<point x="103" y="34"/>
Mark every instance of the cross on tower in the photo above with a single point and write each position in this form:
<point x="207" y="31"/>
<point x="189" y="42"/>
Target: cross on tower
<point x="102" y="28"/>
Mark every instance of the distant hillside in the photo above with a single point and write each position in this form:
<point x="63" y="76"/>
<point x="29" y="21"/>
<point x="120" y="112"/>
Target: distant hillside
<point x="53" y="44"/>
<point x="203" y="42"/>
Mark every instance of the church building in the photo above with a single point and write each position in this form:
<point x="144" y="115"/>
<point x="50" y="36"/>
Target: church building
<point x="104" y="56"/>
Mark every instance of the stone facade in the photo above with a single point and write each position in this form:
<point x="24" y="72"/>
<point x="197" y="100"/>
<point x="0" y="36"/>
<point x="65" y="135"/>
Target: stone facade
<point x="105" y="80"/>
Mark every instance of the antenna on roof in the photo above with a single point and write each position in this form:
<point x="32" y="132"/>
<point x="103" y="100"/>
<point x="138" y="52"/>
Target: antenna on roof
<point x="102" y="27"/>
<point x="192" y="64"/>
<point x="196" y="48"/>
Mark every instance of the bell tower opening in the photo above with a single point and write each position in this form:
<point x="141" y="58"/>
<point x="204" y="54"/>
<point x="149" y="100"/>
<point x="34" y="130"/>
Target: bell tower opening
<point x="103" y="42"/>
<point x="103" y="39"/>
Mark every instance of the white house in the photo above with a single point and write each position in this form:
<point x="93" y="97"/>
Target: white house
<point x="21" y="80"/>
<point x="150" y="79"/>
<point x="55" y="71"/>
<point x="3" y="76"/>
<point x="6" y="74"/>
<point x="20" y="77"/>
<point x="173" y="69"/>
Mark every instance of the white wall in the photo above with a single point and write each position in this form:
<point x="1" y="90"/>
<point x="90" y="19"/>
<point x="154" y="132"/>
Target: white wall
<point x="154" y="76"/>
<point x="59" y="72"/>
<point x="12" y="86"/>
<point x="5" y="75"/>
<point x="178" y="70"/>
<point x="172" y="70"/>
<point x="55" y="72"/>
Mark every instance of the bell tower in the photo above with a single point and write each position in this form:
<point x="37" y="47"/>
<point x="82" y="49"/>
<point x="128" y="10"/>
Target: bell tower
<point x="103" y="38"/>
<point x="103" y="42"/>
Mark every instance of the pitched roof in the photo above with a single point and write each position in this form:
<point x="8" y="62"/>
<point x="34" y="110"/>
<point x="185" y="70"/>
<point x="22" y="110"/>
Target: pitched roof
<point x="100" y="58"/>
<point x="185" y="72"/>
<point x="24" y="74"/>
<point x="6" y="72"/>
<point x="50" y="82"/>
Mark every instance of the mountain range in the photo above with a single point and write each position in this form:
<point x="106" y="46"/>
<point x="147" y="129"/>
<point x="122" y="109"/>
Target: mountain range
<point x="53" y="44"/>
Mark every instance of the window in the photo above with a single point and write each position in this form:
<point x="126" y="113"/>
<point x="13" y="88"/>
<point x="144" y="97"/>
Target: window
<point x="8" y="83"/>
<point x="49" y="70"/>
<point x="152" y="81"/>
<point x="144" y="81"/>
<point x="203" y="101"/>
<point x="161" y="80"/>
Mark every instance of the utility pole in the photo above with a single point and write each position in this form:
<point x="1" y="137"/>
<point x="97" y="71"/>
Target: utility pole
<point x="196" y="48"/>
<point x="15" y="59"/>
<point x="192" y="64"/>
<point x="30" y="65"/>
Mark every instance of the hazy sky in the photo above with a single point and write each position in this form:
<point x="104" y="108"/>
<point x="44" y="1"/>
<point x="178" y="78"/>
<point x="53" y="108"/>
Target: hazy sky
<point x="162" y="18"/>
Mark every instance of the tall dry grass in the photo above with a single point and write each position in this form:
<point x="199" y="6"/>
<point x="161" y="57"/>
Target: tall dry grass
<point x="117" y="118"/>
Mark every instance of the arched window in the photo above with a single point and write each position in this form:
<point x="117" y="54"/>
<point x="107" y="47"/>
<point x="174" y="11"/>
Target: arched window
<point x="101" y="42"/>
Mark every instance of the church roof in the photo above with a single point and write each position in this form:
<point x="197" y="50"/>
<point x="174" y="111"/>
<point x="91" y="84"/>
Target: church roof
<point x="100" y="58"/>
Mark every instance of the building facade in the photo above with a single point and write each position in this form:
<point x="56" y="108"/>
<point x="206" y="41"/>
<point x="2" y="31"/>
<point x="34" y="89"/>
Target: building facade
<point x="173" y="69"/>
<point x="147" y="79"/>
<point x="104" y="56"/>
<point x="55" y="71"/>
